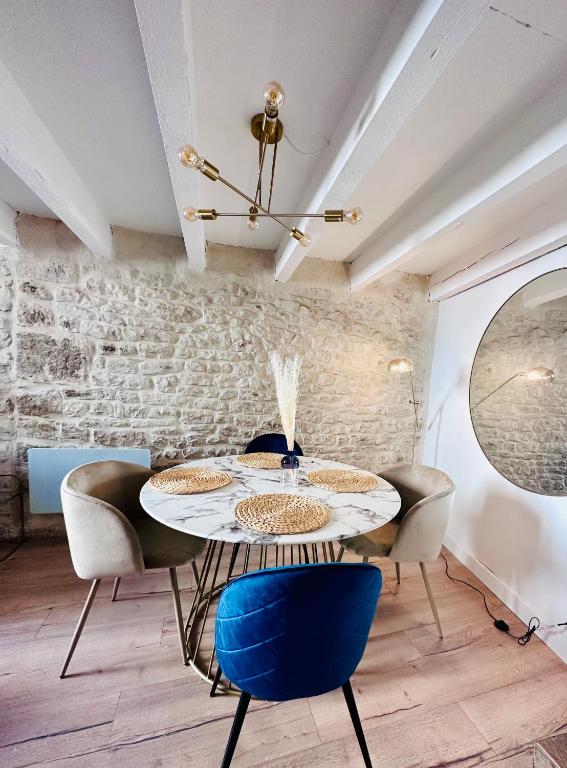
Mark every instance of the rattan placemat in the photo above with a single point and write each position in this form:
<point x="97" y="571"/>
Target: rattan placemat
<point x="282" y="513"/>
<point x="261" y="460"/>
<point x="344" y="480"/>
<point x="184" y="480"/>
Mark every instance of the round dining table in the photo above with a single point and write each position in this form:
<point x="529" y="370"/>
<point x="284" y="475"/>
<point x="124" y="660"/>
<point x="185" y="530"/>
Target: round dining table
<point x="233" y="550"/>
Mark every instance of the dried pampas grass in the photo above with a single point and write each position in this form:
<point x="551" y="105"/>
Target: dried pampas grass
<point x="286" y="376"/>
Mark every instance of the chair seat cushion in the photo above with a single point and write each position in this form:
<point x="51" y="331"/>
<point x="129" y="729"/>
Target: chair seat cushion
<point x="163" y="547"/>
<point x="376" y="543"/>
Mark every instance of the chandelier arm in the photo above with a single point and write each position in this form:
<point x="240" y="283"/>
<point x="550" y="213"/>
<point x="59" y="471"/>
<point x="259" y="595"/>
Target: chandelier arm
<point x="272" y="176"/>
<point x="258" y="194"/>
<point x="250" y="200"/>
<point x="274" y="215"/>
<point x="262" y="150"/>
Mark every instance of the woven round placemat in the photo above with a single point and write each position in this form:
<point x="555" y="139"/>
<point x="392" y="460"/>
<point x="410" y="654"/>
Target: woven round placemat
<point x="261" y="460"/>
<point x="184" y="480"/>
<point x="344" y="480"/>
<point x="281" y="513"/>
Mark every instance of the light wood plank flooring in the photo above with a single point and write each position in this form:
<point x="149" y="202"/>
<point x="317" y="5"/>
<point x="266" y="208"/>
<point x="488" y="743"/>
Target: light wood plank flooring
<point x="474" y="697"/>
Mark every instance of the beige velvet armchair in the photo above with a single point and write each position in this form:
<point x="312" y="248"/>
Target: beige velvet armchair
<point x="416" y="533"/>
<point x="111" y="536"/>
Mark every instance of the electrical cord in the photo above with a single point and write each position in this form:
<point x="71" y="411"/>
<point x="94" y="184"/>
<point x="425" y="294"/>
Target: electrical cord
<point x="534" y="622"/>
<point x="303" y="152"/>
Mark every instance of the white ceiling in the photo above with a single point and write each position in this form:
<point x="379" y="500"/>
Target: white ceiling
<point x="485" y="227"/>
<point x="85" y="71"/>
<point x="502" y="68"/>
<point x="19" y="196"/>
<point x="81" y="65"/>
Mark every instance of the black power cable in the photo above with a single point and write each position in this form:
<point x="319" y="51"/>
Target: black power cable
<point x="500" y="624"/>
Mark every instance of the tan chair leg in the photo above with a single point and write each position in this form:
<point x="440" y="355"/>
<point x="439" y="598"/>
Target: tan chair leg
<point x="115" y="588"/>
<point x="431" y="599"/>
<point x="398" y="572"/>
<point x="80" y="624"/>
<point x="178" y="614"/>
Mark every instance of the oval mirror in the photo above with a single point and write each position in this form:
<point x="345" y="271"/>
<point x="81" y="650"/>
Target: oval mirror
<point x="518" y="387"/>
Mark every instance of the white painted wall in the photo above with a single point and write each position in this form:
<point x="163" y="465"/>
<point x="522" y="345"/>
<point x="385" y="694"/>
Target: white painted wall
<point x="513" y="540"/>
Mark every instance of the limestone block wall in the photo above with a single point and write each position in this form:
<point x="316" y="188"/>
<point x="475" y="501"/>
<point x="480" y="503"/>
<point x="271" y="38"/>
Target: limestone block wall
<point x="522" y="428"/>
<point x="138" y="351"/>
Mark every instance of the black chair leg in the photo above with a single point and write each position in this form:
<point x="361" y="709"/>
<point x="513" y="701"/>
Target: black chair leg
<point x="354" y="716"/>
<point x="235" y="730"/>
<point x="216" y="681"/>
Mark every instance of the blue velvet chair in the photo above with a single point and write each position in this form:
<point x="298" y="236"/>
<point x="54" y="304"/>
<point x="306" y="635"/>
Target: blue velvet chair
<point x="271" y="442"/>
<point x="296" y="631"/>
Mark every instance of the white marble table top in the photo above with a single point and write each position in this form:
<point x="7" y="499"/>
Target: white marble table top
<point x="211" y="515"/>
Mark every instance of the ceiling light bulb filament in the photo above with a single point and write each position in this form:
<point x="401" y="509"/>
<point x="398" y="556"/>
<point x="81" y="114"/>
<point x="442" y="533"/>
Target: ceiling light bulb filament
<point x="275" y="97"/>
<point x="353" y="215"/>
<point x="189" y="157"/>
<point x="191" y="214"/>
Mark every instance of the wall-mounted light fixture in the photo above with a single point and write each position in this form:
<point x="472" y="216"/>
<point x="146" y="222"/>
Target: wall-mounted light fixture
<point x="534" y="374"/>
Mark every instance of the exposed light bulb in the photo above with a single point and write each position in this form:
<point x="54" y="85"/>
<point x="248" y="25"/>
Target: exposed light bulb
<point x="191" y="214"/>
<point x="400" y="365"/>
<point x="275" y="97"/>
<point x="189" y="156"/>
<point x="302" y="238"/>
<point x="353" y="215"/>
<point x="253" y="222"/>
<point x="540" y="374"/>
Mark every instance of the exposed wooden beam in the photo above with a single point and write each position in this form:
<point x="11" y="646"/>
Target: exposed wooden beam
<point x="167" y="39"/>
<point x="519" y="152"/>
<point x="30" y="150"/>
<point x="423" y="42"/>
<point x="8" y="234"/>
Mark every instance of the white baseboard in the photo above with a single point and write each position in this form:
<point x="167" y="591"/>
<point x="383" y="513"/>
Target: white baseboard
<point x="556" y="639"/>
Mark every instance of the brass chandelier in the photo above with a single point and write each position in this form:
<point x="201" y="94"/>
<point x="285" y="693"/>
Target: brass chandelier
<point x="267" y="129"/>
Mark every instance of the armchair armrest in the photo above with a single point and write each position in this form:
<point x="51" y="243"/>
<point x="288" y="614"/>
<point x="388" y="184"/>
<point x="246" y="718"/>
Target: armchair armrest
<point x="422" y="529"/>
<point x="103" y="542"/>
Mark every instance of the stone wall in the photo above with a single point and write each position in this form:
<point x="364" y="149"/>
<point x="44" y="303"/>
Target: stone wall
<point x="522" y="428"/>
<point x="138" y="351"/>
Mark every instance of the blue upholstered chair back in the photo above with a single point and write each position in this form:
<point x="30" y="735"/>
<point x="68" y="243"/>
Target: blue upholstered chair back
<point x="286" y="633"/>
<point x="271" y="442"/>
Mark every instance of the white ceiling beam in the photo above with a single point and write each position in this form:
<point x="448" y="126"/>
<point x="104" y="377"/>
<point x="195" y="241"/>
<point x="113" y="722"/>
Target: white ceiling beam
<point x="30" y="150"/>
<point x="8" y="234"/>
<point x="544" y="230"/>
<point x="519" y="153"/>
<point x="546" y="288"/>
<point x="424" y="41"/>
<point x="168" y="43"/>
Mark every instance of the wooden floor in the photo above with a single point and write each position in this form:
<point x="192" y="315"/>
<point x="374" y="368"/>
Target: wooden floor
<point x="474" y="697"/>
<point x="552" y="752"/>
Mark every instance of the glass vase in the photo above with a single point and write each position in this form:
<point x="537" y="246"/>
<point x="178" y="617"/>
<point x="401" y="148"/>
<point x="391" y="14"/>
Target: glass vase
<point x="290" y="470"/>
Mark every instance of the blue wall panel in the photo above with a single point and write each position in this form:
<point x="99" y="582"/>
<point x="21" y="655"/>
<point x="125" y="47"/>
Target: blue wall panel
<point x="48" y="467"/>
